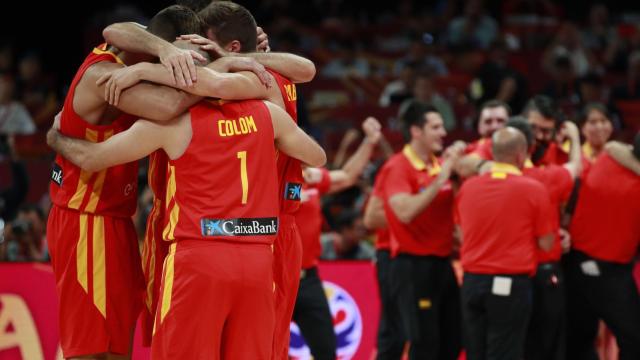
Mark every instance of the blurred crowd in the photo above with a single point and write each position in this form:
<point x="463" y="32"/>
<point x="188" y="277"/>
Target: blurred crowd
<point x="373" y="60"/>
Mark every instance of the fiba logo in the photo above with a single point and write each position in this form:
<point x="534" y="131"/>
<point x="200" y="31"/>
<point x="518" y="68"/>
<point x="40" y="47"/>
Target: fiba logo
<point x="347" y="324"/>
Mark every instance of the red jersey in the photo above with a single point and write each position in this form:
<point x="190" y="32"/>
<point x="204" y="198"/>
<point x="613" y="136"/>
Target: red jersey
<point x="431" y="231"/>
<point x="606" y="223"/>
<point x="309" y="216"/>
<point x="224" y="186"/>
<point x="501" y="215"/>
<point x="109" y="192"/>
<point x="289" y="169"/>
<point x="553" y="155"/>
<point x="480" y="148"/>
<point x="383" y="238"/>
<point x="559" y="183"/>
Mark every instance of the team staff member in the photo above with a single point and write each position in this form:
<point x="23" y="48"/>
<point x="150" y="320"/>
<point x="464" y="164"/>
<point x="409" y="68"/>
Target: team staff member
<point x="605" y="233"/>
<point x="494" y="114"/>
<point x="498" y="252"/>
<point x="390" y="340"/>
<point x="418" y="205"/>
<point x="545" y="119"/>
<point x="546" y="336"/>
<point x="213" y="221"/>
<point x="311" y="312"/>
<point x="596" y="126"/>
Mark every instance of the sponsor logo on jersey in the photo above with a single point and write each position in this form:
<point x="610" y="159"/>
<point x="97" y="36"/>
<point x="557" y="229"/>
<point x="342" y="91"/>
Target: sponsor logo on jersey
<point x="239" y="227"/>
<point x="56" y="174"/>
<point x="293" y="191"/>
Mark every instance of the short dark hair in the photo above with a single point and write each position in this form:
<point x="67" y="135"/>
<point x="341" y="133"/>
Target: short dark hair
<point x="584" y="112"/>
<point x="230" y="21"/>
<point x="494" y="103"/>
<point x="546" y="107"/>
<point x="414" y="115"/>
<point x="520" y="123"/>
<point x="636" y="146"/>
<point x="174" y="21"/>
<point x="195" y="5"/>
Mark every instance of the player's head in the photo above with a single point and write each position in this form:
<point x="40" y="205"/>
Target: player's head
<point x="230" y="25"/>
<point x="595" y="123"/>
<point x="174" y="21"/>
<point x="423" y="126"/>
<point x="493" y="115"/>
<point x="195" y="5"/>
<point x="521" y="124"/>
<point x="544" y="117"/>
<point x="636" y="146"/>
<point x="509" y="146"/>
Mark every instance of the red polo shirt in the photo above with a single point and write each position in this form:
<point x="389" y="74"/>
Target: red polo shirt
<point x="309" y="219"/>
<point x="553" y="155"/>
<point x="478" y="146"/>
<point x="431" y="232"/>
<point x="606" y="223"/>
<point x="501" y="215"/>
<point x="559" y="183"/>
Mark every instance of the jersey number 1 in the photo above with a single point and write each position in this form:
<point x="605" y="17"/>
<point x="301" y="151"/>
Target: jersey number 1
<point x="242" y="155"/>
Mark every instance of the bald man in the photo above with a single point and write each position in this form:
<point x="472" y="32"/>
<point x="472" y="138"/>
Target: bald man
<point x="499" y="247"/>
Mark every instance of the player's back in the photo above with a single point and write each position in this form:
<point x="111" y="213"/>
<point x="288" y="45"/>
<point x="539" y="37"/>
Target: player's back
<point x="224" y="186"/>
<point x="111" y="191"/>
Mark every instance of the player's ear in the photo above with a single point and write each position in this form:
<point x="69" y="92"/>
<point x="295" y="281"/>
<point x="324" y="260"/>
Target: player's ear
<point x="234" y="46"/>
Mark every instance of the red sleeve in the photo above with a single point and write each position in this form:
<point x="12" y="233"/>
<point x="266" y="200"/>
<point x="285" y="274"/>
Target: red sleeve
<point x="456" y="214"/>
<point x="325" y="183"/>
<point x="396" y="181"/>
<point x="543" y="211"/>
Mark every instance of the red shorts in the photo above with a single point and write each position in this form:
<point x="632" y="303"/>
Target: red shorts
<point x="216" y="302"/>
<point x="287" y="262"/>
<point x="99" y="281"/>
<point x="154" y="250"/>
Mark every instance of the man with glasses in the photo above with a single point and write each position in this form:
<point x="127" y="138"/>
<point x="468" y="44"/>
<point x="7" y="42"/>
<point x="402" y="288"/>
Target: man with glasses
<point x="545" y="118"/>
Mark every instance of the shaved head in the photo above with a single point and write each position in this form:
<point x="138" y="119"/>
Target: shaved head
<point x="509" y="146"/>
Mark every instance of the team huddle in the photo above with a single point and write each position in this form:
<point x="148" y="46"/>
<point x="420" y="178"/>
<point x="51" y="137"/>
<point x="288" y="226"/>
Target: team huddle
<point x="222" y="258"/>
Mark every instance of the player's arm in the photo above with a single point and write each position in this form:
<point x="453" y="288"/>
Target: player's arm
<point x="295" y="68"/>
<point x="374" y="214"/>
<point x="622" y="154"/>
<point x="292" y="140"/>
<point x="574" y="166"/>
<point x="407" y="206"/>
<point x="141" y="139"/>
<point x="469" y="165"/>
<point x="133" y="37"/>
<point x="352" y="169"/>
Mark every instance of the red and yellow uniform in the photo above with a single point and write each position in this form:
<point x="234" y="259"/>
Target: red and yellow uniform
<point x="553" y="155"/>
<point x="92" y="239"/>
<point x="154" y="249"/>
<point x="222" y="211"/>
<point x="605" y="224"/>
<point x="431" y="232"/>
<point x="480" y="147"/>
<point x="559" y="183"/>
<point x="501" y="238"/>
<point x="287" y="252"/>
<point x="310" y="213"/>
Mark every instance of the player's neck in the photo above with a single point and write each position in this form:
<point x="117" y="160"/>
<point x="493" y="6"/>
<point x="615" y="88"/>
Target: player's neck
<point x="422" y="151"/>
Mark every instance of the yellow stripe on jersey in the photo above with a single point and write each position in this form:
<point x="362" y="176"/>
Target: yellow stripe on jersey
<point x="81" y="253"/>
<point x="96" y="191"/>
<point x="167" y="286"/>
<point x="85" y="176"/>
<point x="174" y="214"/>
<point x="98" y="51"/>
<point x="99" y="268"/>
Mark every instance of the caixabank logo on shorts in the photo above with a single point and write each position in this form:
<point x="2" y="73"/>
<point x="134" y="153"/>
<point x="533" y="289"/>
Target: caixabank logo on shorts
<point x="347" y="324"/>
<point x="239" y="227"/>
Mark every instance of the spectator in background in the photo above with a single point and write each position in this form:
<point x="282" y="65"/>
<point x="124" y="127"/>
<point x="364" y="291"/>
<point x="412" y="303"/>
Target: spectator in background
<point x="568" y="43"/>
<point x="591" y="89"/>
<point x="23" y="239"/>
<point x="424" y="91"/>
<point x="562" y="87"/>
<point x="497" y="80"/>
<point x="346" y="62"/>
<point x="599" y="32"/>
<point x="36" y="91"/>
<point x="12" y="196"/>
<point x="400" y="89"/>
<point x="631" y="89"/>
<point x="421" y="56"/>
<point x="6" y="60"/>
<point x="348" y="243"/>
<point x="474" y="28"/>
<point x="14" y="117"/>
